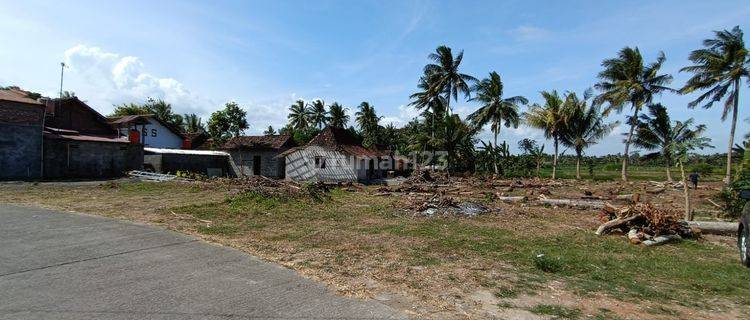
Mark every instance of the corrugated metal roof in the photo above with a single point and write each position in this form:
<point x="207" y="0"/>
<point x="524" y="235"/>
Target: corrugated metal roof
<point x="183" y="151"/>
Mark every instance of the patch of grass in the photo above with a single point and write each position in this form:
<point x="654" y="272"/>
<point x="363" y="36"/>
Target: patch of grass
<point x="661" y="310"/>
<point x="548" y="264"/>
<point x="557" y="311"/>
<point x="506" y="293"/>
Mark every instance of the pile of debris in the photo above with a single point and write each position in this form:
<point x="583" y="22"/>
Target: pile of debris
<point x="644" y="224"/>
<point x="439" y="204"/>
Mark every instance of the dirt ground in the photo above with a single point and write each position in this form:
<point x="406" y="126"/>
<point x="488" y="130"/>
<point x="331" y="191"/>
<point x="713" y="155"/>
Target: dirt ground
<point x="398" y="245"/>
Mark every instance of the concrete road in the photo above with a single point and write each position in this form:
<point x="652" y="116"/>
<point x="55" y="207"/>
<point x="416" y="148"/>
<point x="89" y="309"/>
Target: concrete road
<point x="56" y="265"/>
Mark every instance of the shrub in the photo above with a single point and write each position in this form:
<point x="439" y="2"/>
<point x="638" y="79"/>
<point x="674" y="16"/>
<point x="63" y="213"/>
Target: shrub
<point x="612" y="167"/>
<point x="548" y="264"/>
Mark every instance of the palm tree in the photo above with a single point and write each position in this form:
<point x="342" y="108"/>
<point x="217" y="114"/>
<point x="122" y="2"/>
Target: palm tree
<point x="443" y="76"/>
<point x="656" y="132"/>
<point x="338" y="116"/>
<point x="299" y="117"/>
<point x="627" y="80"/>
<point x="269" y="132"/>
<point x="495" y="110"/>
<point x="459" y="142"/>
<point x="585" y="126"/>
<point x="318" y="113"/>
<point x="681" y="151"/>
<point x="538" y="154"/>
<point x="161" y="109"/>
<point x="193" y="123"/>
<point x="719" y="68"/>
<point x="551" y="118"/>
<point x="367" y="120"/>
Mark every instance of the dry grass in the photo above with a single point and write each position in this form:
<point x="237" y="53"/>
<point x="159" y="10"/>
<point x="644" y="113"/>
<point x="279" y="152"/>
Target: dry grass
<point x="365" y="245"/>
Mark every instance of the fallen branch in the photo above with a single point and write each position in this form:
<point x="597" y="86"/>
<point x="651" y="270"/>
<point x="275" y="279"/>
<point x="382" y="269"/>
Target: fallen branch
<point x="512" y="199"/>
<point x="659" y="240"/>
<point x="715" y="204"/>
<point x="617" y="222"/>
<point x="572" y="203"/>
<point x="634" y="197"/>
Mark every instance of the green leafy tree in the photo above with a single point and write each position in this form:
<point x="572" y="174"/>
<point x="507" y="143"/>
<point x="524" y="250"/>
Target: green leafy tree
<point x="318" y="114"/>
<point x="552" y="119"/>
<point x="495" y="110"/>
<point x="586" y="126"/>
<point x="226" y="123"/>
<point x="299" y="115"/>
<point x="218" y="128"/>
<point x="627" y="80"/>
<point x="237" y="118"/>
<point x="129" y="109"/>
<point x="655" y="131"/>
<point x="338" y="116"/>
<point x="718" y="69"/>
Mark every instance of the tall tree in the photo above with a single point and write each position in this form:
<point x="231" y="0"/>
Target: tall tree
<point x="655" y="131"/>
<point x="338" y="116"/>
<point x="552" y="119"/>
<point x="444" y="77"/>
<point x="719" y="68"/>
<point x="495" y="110"/>
<point x="585" y="126"/>
<point x="129" y="109"/>
<point x="299" y="116"/>
<point x="270" y="131"/>
<point x="193" y="123"/>
<point x="161" y="109"/>
<point x="237" y="118"/>
<point x="681" y="150"/>
<point x="367" y="120"/>
<point x="318" y="113"/>
<point x="226" y="123"/>
<point x="626" y="79"/>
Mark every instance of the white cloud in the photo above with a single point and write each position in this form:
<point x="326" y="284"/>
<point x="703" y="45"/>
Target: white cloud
<point x="405" y="114"/>
<point x="105" y="78"/>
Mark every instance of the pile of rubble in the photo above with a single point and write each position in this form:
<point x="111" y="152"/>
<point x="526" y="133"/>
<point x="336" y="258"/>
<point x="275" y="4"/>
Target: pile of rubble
<point x="442" y="205"/>
<point x="644" y="223"/>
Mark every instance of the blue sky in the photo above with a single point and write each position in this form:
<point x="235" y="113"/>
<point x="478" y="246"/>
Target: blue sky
<point x="264" y="55"/>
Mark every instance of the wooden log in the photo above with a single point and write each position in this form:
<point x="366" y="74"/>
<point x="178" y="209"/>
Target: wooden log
<point x="634" y="197"/>
<point x="573" y="203"/>
<point x="511" y="198"/>
<point x="615" y="223"/>
<point x="715" y="227"/>
<point x="655" y="190"/>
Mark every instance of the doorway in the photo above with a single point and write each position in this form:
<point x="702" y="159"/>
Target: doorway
<point x="256" y="165"/>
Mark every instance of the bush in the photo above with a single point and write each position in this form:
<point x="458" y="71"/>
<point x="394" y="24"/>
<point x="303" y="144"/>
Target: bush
<point x="612" y="167"/>
<point x="702" y="168"/>
<point x="548" y="264"/>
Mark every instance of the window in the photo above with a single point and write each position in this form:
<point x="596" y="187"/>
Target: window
<point x="320" y="162"/>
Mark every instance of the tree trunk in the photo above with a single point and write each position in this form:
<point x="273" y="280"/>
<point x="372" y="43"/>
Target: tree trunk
<point x="686" y="188"/>
<point x="578" y="166"/>
<point x="494" y="159"/>
<point x="538" y="167"/>
<point x="728" y="178"/>
<point x="554" y="160"/>
<point x="668" y="159"/>
<point x="625" y="156"/>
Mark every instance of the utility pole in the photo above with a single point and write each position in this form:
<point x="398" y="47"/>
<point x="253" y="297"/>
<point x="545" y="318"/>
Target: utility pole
<point x="62" y="70"/>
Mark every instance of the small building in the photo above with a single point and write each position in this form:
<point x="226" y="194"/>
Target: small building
<point x="79" y="143"/>
<point x="206" y="162"/>
<point x="21" y="125"/>
<point x="258" y="155"/>
<point x="335" y="155"/>
<point x="152" y="132"/>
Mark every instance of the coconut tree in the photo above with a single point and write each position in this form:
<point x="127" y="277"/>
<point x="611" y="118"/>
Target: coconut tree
<point x="627" y="80"/>
<point x="318" y="113"/>
<point x="299" y="116"/>
<point x="129" y="109"/>
<point x="585" y="126"/>
<point x="367" y="120"/>
<point x="719" y="68"/>
<point x="551" y="118"/>
<point x="337" y="115"/>
<point x="681" y="151"/>
<point x="443" y="76"/>
<point x="269" y="131"/>
<point x="193" y="123"/>
<point x="655" y="131"/>
<point x="495" y="110"/>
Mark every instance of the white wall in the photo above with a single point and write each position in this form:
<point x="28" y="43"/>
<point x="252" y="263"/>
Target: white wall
<point x="300" y="166"/>
<point x="157" y="136"/>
